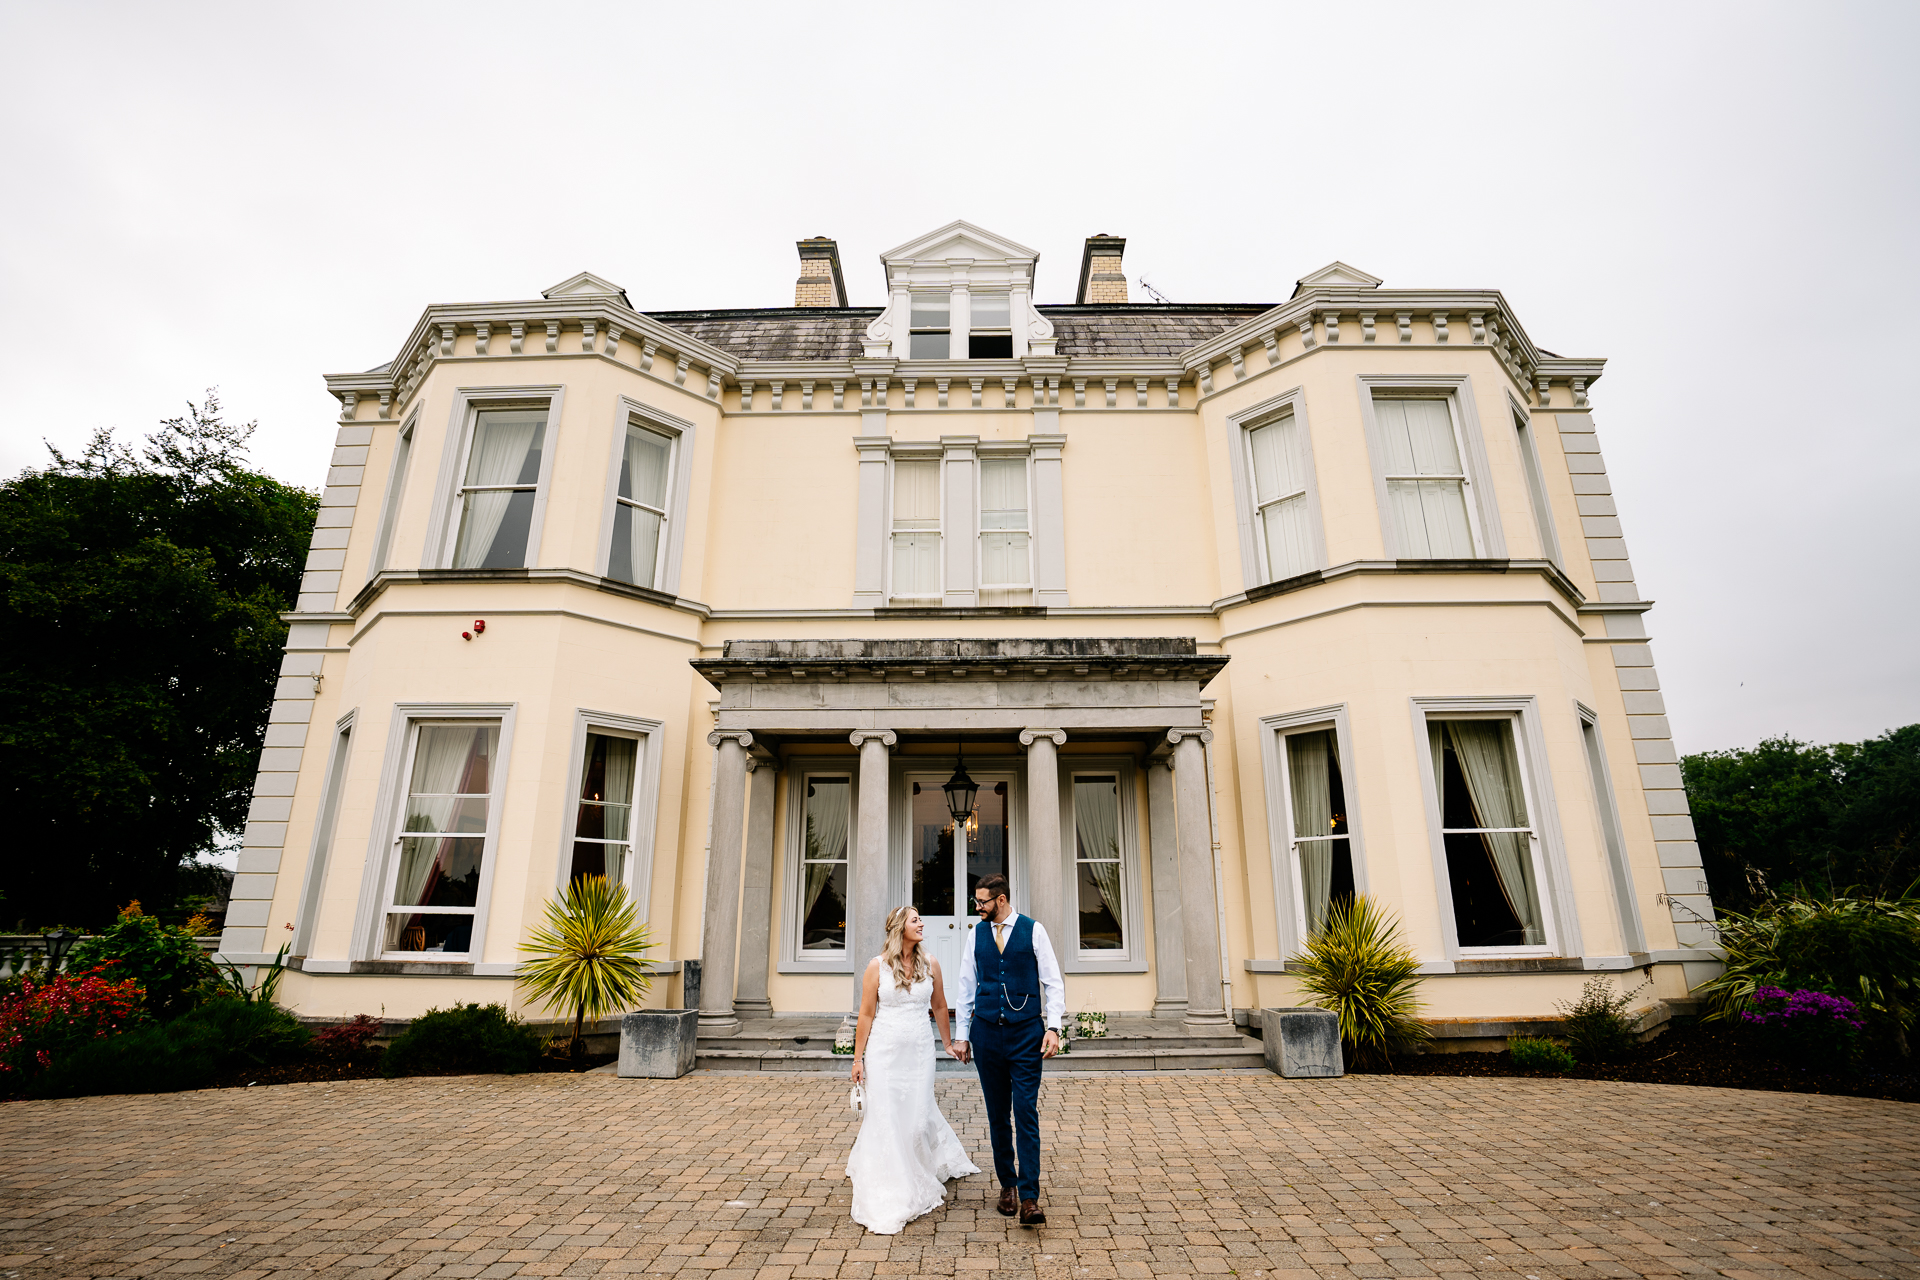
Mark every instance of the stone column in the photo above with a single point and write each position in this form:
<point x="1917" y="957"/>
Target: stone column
<point x="1206" y="1008"/>
<point x="1169" y="932"/>
<point x="756" y="894"/>
<point x="867" y="929"/>
<point x="720" y="932"/>
<point x="1046" y="874"/>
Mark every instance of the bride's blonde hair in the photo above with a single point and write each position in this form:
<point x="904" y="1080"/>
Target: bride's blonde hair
<point x="893" y="955"/>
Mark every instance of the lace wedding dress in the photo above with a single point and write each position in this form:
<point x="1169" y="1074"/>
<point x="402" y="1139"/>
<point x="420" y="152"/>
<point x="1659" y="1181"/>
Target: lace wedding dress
<point x="906" y="1150"/>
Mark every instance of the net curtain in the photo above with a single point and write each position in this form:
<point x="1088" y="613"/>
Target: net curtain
<point x="506" y="451"/>
<point x="1312" y="821"/>
<point x="828" y="804"/>
<point x="449" y="760"/>
<point x="1096" y="820"/>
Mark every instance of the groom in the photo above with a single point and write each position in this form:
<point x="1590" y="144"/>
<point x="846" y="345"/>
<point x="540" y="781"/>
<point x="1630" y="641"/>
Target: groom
<point x="1010" y="992"/>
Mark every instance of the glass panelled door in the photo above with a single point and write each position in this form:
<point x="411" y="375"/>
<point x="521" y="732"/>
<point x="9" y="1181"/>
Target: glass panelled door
<point x="947" y="864"/>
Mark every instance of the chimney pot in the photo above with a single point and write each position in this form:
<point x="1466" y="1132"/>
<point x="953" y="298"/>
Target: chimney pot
<point x="820" y="283"/>
<point x="1101" y="276"/>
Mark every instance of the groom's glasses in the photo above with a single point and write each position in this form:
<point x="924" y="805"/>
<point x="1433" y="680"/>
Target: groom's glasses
<point x="984" y="904"/>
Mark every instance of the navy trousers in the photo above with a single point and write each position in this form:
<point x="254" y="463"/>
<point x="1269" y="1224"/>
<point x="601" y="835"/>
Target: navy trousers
<point x="1008" y="1058"/>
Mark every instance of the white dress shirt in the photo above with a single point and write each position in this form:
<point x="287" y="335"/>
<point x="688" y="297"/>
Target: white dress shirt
<point x="1053" y="992"/>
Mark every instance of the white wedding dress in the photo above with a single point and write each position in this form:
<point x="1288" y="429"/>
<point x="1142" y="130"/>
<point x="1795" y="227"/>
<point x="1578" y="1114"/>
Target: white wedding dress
<point x="906" y="1150"/>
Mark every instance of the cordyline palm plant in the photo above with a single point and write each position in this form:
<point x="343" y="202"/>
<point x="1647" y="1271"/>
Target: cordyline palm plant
<point x="587" y="956"/>
<point x="1356" y="965"/>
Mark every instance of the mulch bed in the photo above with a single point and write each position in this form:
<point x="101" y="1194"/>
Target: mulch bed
<point x="1692" y="1054"/>
<point x="367" y="1067"/>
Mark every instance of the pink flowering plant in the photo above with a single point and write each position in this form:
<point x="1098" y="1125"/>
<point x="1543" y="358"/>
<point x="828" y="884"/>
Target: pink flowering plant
<point x="1804" y="1025"/>
<point x="42" y="1018"/>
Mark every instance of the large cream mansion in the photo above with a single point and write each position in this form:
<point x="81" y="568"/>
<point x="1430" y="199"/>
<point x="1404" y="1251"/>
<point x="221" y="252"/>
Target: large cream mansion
<point x="1229" y="611"/>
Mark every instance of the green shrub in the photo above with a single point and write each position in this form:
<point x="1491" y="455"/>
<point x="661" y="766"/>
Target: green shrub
<point x="1539" y="1055"/>
<point x="176" y="974"/>
<point x="1864" y="949"/>
<point x="191" y="1052"/>
<point x="1357" y="965"/>
<point x="468" y="1039"/>
<point x="1597" y="1028"/>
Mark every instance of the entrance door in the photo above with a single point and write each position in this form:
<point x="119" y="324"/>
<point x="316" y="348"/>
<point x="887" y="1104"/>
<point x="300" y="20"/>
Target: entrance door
<point x="947" y="864"/>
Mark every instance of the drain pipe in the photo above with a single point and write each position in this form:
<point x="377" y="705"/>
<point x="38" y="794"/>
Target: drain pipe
<point x="1219" y="882"/>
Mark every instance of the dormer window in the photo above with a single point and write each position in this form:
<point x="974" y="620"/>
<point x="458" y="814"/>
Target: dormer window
<point x="931" y="329"/>
<point x="989" y="328"/>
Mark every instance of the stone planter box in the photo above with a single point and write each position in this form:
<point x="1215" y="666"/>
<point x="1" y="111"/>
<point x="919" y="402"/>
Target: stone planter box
<point x="1302" y="1044"/>
<point x="658" y="1044"/>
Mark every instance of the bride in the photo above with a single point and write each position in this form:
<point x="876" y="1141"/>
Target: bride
<point x="906" y="1150"/>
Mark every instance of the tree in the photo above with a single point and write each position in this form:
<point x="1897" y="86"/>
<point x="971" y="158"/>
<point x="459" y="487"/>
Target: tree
<point x="1789" y="815"/>
<point x="140" y="595"/>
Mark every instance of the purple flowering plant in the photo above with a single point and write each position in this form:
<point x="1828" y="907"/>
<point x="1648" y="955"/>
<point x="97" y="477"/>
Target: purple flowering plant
<point x="1803" y="1024"/>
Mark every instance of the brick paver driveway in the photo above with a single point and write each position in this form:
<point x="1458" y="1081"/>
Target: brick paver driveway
<point x="741" y="1176"/>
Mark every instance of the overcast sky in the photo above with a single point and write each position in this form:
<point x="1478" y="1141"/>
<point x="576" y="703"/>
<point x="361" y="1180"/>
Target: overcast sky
<point x="1719" y="199"/>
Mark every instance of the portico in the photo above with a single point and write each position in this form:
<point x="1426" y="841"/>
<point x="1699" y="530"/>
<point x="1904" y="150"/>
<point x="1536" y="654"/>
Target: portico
<point x="866" y="729"/>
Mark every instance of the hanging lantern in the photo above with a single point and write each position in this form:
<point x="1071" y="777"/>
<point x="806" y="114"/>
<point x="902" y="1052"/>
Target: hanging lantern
<point x="961" y="791"/>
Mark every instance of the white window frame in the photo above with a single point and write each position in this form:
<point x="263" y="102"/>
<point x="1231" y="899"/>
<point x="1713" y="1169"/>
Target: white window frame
<point x="396" y="490"/>
<point x="793" y="959"/>
<point x="950" y="330"/>
<point x="988" y="452"/>
<point x="1289" y="897"/>
<point x="1633" y="934"/>
<point x="1483" y="515"/>
<point x="1132" y="958"/>
<point x="926" y="454"/>
<point x="1254" y="569"/>
<point x="313" y="887"/>
<point x="468" y="402"/>
<point x="1528" y="447"/>
<point x="643" y="820"/>
<point x="382" y="861"/>
<point x="666" y="569"/>
<point x="992" y="331"/>
<point x="1559" y="914"/>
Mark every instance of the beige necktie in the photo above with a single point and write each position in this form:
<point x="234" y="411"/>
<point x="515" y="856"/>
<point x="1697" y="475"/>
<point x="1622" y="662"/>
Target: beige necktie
<point x="1000" y="935"/>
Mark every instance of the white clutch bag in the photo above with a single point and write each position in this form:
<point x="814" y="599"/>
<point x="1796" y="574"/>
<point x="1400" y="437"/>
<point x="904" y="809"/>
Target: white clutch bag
<point x="857" y="1099"/>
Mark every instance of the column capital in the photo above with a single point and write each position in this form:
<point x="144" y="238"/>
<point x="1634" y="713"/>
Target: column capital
<point x="740" y="736"/>
<point x="1029" y="736"/>
<point x="1176" y="736"/>
<point x="885" y="737"/>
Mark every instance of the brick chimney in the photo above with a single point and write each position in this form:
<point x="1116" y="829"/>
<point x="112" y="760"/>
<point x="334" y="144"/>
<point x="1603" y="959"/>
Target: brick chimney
<point x="819" y="284"/>
<point x="1101" y="279"/>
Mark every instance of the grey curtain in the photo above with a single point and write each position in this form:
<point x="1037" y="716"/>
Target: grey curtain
<point x="1491" y="768"/>
<point x="1312" y="821"/>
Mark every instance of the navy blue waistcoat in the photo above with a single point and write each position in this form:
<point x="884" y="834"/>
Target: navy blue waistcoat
<point x="1007" y="983"/>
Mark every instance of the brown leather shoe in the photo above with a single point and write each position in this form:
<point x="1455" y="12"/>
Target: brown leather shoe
<point x="1006" y="1205"/>
<point x="1031" y="1215"/>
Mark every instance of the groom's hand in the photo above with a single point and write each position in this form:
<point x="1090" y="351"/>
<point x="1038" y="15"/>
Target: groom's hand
<point x="959" y="1050"/>
<point x="1050" y="1045"/>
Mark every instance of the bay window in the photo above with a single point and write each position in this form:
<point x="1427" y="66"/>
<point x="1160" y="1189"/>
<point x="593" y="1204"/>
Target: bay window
<point x="640" y="505"/>
<point x="1319" y="842"/>
<point x="603" y="825"/>
<point x="1277" y="465"/>
<point x="1493" y="862"/>
<point x="498" y="489"/>
<point x="1426" y="478"/>
<point x="446" y="830"/>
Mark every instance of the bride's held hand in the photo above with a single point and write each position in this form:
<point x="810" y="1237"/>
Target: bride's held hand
<point x="859" y="1071"/>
